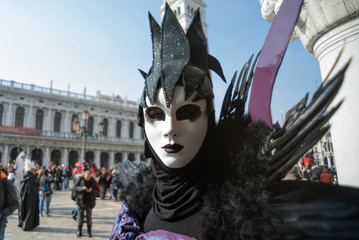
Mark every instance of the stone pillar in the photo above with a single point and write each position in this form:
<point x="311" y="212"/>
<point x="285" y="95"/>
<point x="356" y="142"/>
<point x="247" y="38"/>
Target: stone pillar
<point x="138" y="131"/>
<point x="9" y="116"/>
<point x="344" y="129"/>
<point x="111" y="132"/>
<point x="97" y="158"/>
<point x="65" y="158"/>
<point x="48" y="123"/>
<point x="325" y="28"/>
<point x="123" y="123"/>
<point x="125" y="128"/>
<point x="138" y="157"/>
<point x="124" y="155"/>
<point x="46" y="161"/>
<point x="96" y="122"/>
<point x="30" y="118"/>
<point x="112" y="159"/>
<point x="67" y="123"/>
<point x="6" y="154"/>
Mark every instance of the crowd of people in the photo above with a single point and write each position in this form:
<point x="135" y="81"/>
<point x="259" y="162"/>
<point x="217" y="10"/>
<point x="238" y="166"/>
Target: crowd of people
<point x="34" y="190"/>
<point x="313" y="172"/>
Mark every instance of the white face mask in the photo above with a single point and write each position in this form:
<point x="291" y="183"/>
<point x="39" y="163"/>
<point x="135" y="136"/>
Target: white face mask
<point x="176" y="133"/>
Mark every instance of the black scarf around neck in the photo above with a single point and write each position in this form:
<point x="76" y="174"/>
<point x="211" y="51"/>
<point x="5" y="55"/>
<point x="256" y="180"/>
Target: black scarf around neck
<point x="177" y="192"/>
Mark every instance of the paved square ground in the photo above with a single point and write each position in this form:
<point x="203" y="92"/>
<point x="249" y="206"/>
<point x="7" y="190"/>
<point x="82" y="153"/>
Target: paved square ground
<point x="60" y="224"/>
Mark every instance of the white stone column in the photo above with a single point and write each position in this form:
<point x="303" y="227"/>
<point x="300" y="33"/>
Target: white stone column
<point x="46" y="160"/>
<point x="325" y="28"/>
<point x="125" y="128"/>
<point x="97" y="158"/>
<point x="345" y="131"/>
<point x="29" y="118"/>
<point x="9" y="116"/>
<point x="48" y="120"/>
<point x="123" y="123"/>
<point x="67" y="122"/>
<point x="6" y="154"/>
<point x="138" y="157"/>
<point x="96" y="122"/>
<point x="112" y="159"/>
<point x="65" y="157"/>
<point x="137" y="131"/>
<point x="124" y="155"/>
<point x="111" y="128"/>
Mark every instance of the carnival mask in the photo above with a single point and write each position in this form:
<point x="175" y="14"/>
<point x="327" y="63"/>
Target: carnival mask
<point x="176" y="133"/>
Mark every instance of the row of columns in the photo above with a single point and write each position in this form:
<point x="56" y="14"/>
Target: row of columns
<point x="5" y="152"/>
<point x="66" y="121"/>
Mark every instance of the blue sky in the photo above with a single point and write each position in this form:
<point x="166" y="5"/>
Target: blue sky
<point x="101" y="44"/>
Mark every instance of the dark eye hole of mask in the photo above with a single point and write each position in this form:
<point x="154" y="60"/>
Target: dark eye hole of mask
<point x="190" y="112"/>
<point x="155" y="114"/>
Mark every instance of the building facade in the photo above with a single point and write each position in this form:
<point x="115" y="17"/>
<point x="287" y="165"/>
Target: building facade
<point x="323" y="152"/>
<point x="38" y="120"/>
<point x="185" y="10"/>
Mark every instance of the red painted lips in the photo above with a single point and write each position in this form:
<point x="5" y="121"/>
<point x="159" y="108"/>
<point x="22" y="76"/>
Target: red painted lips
<point x="172" y="148"/>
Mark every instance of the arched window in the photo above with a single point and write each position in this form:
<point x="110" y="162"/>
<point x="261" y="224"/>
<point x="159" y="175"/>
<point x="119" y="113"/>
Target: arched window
<point x="74" y="117"/>
<point x="1" y="113"/>
<point x="39" y="119"/>
<point x="331" y="161"/>
<point x="73" y="158"/>
<point x="36" y="156"/>
<point x="90" y="156"/>
<point x="105" y="126"/>
<point x="192" y="11"/>
<point x="104" y="160"/>
<point x="131" y="157"/>
<point x="118" y="128"/>
<point x="118" y="158"/>
<point x="188" y="9"/>
<point x="57" y="122"/>
<point x="90" y="126"/>
<point x="131" y="130"/>
<point x="55" y="157"/>
<point x="325" y="161"/>
<point x="179" y="10"/>
<point x="19" y="117"/>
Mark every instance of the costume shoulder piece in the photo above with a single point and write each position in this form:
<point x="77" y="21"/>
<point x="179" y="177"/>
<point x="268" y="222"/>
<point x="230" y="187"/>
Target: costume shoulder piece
<point x="252" y="202"/>
<point x="136" y="183"/>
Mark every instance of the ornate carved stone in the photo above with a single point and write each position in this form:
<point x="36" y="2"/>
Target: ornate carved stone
<point x="316" y="17"/>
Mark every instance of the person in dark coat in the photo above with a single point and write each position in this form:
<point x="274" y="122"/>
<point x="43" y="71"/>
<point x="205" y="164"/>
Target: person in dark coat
<point x="29" y="201"/>
<point x="86" y="189"/>
<point x="8" y="202"/>
<point x="58" y="175"/>
<point x="103" y="183"/>
<point x="114" y="185"/>
<point x="315" y="173"/>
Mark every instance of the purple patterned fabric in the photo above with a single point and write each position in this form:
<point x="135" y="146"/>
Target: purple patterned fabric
<point x="126" y="227"/>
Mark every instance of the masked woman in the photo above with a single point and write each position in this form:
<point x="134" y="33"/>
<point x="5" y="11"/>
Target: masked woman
<point x="29" y="199"/>
<point x="222" y="181"/>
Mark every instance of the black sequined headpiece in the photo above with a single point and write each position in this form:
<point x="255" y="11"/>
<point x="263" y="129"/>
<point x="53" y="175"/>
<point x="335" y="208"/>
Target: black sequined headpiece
<point x="179" y="56"/>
